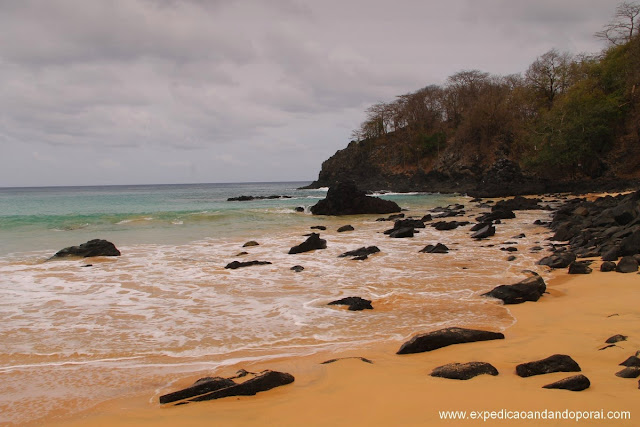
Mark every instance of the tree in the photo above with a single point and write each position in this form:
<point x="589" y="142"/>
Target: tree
<point x="623" y="26"/>
<point x="550" y="75"/>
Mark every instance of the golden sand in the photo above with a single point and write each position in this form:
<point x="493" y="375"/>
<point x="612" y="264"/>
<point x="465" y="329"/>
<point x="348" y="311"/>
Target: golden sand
<point x="576" y="317"/>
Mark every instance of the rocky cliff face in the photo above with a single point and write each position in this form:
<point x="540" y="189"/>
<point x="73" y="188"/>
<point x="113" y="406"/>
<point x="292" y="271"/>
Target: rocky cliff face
<point x="489" y="171"/>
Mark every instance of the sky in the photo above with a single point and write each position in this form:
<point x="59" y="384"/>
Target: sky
<point x="108" y="92"/>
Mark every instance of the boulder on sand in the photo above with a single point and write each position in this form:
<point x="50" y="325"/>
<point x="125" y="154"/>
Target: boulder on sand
<point x="529" y="289"/>
<point x="464" y="371"/>
<point x="445" y="337"/>
<point x="345" y="198"/>
<point x="555" y="363"/>
<point x="574" y="383"/>
<point x="95" y="247"/>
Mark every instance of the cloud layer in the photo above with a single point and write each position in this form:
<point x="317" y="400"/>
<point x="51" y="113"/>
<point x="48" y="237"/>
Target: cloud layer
<point x="151" y="91"/>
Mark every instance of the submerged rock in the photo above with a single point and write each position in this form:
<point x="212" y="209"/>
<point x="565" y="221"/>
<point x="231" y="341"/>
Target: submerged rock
<point x="437" y="249"/>
<point x="95" y="247"/>
<point x="313" y="242"/>
<point x="354" y="303"/>
<point x="345" y="228"/>
<point x="363" y="251"/>
<point x="464" y="371"/>
<point x="237" y="264"/>
<point x="574" y="383"/>
<point x="555" y="363"/>
<point x="445" y="337"/>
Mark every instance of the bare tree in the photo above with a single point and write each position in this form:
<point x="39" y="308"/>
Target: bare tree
<point x="624" y="24"/>
<point x="550" y="74"/>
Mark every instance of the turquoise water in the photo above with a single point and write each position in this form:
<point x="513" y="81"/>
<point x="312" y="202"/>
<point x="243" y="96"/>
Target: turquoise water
<point x="76" y="331"/>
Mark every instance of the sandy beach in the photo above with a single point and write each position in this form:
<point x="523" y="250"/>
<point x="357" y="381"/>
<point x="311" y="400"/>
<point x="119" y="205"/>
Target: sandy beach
<point x="576" y="317"/>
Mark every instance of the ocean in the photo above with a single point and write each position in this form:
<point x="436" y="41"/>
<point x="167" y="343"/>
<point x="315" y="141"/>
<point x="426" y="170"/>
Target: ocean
<point x="77" y="332"/>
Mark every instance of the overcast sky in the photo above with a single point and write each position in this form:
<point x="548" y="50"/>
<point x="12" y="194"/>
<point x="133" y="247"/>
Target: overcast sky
<point x="176" y="91"/>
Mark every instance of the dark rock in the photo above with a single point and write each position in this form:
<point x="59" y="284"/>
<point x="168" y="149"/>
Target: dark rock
<point x="574" y="383"/>
<point x="437" y="249"/>
<point x="496" y="215"/>
<point x="402" y="232"/>
<point x="448" y="225"/>
<point x="445" y="337"/>
<point x="202" y="386"/>
<point x="354" y="303"/>
<point x="345" y="228"/>
<point x="404" y="223"/>
<point x="95" y="247"/>
<point x="464" y="371"/>
<point x="251" y="243"/>
<point x="511" y="258"/>
<point x="362" y="359"/>
<point x="536" y="248"/>
<point x="484" y="232"/>
<point x="629" y="372"/>
<point x="630" y="245"/>
<point x="520" y="236"/>
<point x="346" y="199"/>
<point x="361" y="251"/>
<point x="360" y="258"/>
<point x="529" y="289"/>
<point x="555" y="363"/>
<point x="518" y="203"/>
<point x="237" y="264"/>
<point x="509" y="249"/>
<point x="579" y="267"/>
<point x="480" y="225"/>
<point x="262" y="382"/>
<point x="318" y="227"/>
<point x="297" y="268"/>
<point x="631" y="361"/>
<point x="611" y="254"/>
<point x="558" y="260"/>
<point x="426" y="218"/>
<point x="607" y="266"/>
<point x="616" y="338"/>
<point x="391" y="217"/>
<point x="249" y="198"/>
<point x="313" y="242"/>
<point x="299" y="209"/>
<point x="627" y="264"/>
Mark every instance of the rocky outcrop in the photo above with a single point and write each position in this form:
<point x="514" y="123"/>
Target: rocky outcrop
<point x="354" y="303"/>
<point x="439" y="248"/>
<point x="262" y="382"/>
<point x="237" y="264"/>
<point x="217" y="387"/>
<point x="574" y="383"/>
<point x="95" y="247"/>
<point x="555" y="363"/>
<point x="345" y="198"/>
<point x="363" y="251"/>
<point x="529" y="289"/>
<point x="464" y="371"/>
<point x="445" y="337"/>
<point x="313" y="242"/>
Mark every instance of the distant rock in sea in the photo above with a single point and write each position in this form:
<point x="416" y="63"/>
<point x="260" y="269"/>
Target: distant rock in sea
<point x="345" y="198"/>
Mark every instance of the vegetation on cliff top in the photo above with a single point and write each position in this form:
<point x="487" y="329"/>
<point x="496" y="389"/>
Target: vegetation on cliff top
<point x="567" y="117"/>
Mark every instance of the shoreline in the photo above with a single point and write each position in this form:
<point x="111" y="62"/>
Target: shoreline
<point x="573" y="318"/>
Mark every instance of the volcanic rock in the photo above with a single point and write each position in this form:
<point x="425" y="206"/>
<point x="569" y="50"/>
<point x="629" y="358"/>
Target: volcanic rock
<point x="313" y="242"/>
<point x="574" y="383"/>
<point x="354" y="303"/>
<point x="464" y="371"/>
<point x="445" y="337"/>
<point x="437" y="249"/>
<point x="529" y="289"/>
<point x="237" y="264"/>
<point x="95" y="247"/>
<point x="555" y="363"/>
<point x="345" y="198"/>
<point x="360" y="252"/>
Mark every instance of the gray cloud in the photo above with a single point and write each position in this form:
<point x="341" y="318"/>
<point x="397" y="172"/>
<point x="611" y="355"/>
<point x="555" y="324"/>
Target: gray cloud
<point x="182" y="91"/>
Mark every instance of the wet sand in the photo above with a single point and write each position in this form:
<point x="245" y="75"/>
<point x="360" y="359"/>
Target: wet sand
<point x="576" y="317"/>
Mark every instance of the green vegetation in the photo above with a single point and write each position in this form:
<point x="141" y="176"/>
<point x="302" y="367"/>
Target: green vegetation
<point x="558" y="120"/>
